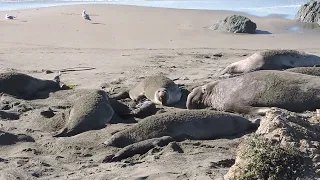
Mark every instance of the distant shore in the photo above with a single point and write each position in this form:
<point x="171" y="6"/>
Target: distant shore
<point x="58" y="37"/>
<point x="285" y="8"/>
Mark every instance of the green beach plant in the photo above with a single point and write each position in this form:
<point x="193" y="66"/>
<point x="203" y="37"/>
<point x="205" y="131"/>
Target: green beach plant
<point x="270" y="160"/>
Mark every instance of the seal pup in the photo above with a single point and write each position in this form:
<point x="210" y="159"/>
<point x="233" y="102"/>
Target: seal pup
<point x="24" y="86"/>
<point x="139" y="148"/>
<point x="91" y="111"/>
<point x="157" y="88"/>
<point x="191" y="124"/>
<point x="314" y="71"/>
<point x="256" y="92"/>
<point x="272" y="60"/>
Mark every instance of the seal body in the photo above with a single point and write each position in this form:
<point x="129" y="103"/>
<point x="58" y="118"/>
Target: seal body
<point x="191" y="124"/>
<point x="257" y="90"/>
<point x="24" y="86"/>
<point x="90" y="111"/>
<point x="157" y="88"/>
<point x="272" y="60"/>
<point x="314" y="71"/>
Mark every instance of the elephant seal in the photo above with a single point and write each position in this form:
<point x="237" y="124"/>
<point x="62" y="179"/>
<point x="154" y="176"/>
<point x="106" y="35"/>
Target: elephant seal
<point x="157" y="88"/>
<point x="314" y="71"/>
<point x="139" y="148"/>
<point x="272" y="60"/>
<point x="258" y="91"/>
<point x="91" y="111"/>
<point x="191" y="124"/>
<point x="24" y="86"/>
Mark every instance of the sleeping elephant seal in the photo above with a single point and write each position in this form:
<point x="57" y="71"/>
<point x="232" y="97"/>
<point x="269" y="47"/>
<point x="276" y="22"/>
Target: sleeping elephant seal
<point x="91" y="111"/>
<point x="24" y="86"/>
<point x="314" y="71"/>
<point x="157" y="88"/>
<point x="272" y="60"/>
<point x="191" y="124"/>
<point x="254" y="92"/>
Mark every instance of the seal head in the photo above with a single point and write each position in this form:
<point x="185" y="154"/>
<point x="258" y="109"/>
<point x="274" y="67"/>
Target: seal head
<point x="161" y="96"/>
<point x="199" y="97"/>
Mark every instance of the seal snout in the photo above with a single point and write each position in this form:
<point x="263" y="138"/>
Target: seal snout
<point x="162" y="96"/>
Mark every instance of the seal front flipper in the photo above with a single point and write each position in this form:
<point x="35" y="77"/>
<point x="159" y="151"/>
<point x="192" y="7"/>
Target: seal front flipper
<point x="245" y="109"/>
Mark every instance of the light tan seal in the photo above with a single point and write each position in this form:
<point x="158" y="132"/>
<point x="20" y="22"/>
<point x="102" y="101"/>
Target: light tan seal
<point x="24" y="86"/>
<point x="157" y="88"/>
<point x="91" y="111"/>
<point x="272" y="60"/>
<point x="191" y="124"/>
<point x="257" y="91"/>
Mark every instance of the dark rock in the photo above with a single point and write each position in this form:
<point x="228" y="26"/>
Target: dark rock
<point x="309" y="12"/>
<point x="48" y="71"/>
<point x="8" y="138"/>
<point x="5" y="107"/>
<point x="21" y="108"/>
<point x="226" y="163"/>
<point x="236" y="24"/>
<point x="47" y="113"/>
<point x="8" y="115"/>
<point x="218" y="55"/>
<point x="24" y="138"/>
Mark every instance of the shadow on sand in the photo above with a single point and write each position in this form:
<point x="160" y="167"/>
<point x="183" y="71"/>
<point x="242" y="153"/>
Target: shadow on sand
<point x="262" y="32"/>
<point x="98" y="23"/>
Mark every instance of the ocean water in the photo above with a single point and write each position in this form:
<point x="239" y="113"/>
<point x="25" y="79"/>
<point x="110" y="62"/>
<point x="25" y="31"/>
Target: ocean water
<point x="286" y="8"/>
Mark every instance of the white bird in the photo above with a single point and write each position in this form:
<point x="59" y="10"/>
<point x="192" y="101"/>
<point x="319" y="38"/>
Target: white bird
<point x="85" y="16"/>
<point x="10" y="17"/>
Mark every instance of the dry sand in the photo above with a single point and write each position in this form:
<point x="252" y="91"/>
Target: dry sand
<point x="123" y="44"/>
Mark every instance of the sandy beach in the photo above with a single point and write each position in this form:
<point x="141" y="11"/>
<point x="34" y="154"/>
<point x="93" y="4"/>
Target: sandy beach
<point x="124" y="44"/>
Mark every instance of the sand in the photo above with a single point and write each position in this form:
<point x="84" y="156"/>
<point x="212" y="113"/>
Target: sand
<point x="124" y="44"/>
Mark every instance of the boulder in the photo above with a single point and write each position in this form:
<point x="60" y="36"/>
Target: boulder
<point x="285" y="146"/>
<point x="309" y="12"/>
<point x="235" y="24"/>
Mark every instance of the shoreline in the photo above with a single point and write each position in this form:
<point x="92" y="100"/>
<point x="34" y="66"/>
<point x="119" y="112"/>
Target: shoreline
<point x="120" y="37"/>
<point x="254" y="11"/>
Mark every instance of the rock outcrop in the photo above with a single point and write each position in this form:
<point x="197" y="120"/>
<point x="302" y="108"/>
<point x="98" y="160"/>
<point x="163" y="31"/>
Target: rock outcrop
<point x="235" y="24"/>
<point x="309" y="12"/>
<point x="285" y="146"/>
